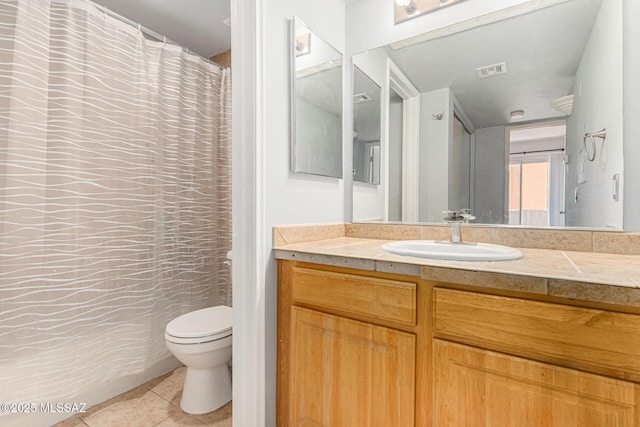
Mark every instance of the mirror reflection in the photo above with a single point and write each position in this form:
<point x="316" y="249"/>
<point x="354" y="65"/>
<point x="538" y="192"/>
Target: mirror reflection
<point x="502" y="112"/>
<point x="366" y="128"/>
<point x="407" y="9"/>
<point x="316" y="134"/>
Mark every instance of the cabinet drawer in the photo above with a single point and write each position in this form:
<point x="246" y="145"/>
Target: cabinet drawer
<point x="594" y="340"/>
<point x="369" y="297"/>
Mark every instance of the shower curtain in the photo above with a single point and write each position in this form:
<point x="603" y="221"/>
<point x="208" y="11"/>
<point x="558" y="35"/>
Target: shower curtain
<point x="115" y="208"/>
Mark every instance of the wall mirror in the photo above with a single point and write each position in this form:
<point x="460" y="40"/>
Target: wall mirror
<point x="502" y="106"/>
<point x="316" y="104"/>
<point x="366" y="128"/>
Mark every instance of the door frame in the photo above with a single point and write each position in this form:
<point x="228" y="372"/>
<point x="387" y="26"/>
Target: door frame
<point x="398" y="82"/>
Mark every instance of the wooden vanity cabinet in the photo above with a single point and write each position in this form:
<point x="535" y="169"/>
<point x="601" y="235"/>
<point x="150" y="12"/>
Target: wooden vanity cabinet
<point x="518" y="362"/>
<point x="362" y="348"/>
<point x="347" y="348"/>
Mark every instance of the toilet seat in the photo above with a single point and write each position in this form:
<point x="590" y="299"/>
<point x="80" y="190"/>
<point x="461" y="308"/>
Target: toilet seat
<point x="200" y="326"/>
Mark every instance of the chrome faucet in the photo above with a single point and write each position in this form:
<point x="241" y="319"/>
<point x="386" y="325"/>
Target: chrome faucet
<point x="455" y="218"/>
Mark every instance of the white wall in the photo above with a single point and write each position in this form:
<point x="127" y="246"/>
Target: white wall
<point x="598" y="98"/>
<point x="265" y="192"/>
<point x="368" y="199"/>
<point x="489" y="183"/>
<point x="433" y="153"/>
<point x="631" y="76"/>
<point x="394" y="202"/>
<point x="290" y="198"/>
<point x="459" y="167"/>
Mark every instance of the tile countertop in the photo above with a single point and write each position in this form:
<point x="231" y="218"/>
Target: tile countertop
<point x="588" y="276"/>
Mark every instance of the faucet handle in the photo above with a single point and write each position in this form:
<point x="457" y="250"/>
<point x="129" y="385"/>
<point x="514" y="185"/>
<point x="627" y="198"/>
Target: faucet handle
<point x="458" y="215"/>
<point x="466" y="213"/>
<point x="453" y="216"/>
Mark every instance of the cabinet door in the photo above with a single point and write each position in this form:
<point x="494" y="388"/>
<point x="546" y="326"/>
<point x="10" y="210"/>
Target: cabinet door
<point x="476" y="387"/>
<point x="349" y="373"/>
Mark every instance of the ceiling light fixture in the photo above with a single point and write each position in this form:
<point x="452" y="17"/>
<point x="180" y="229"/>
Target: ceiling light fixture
<point x="564" y="104"/>
<point x="517" y="114"/>
<point x="409" y="6"/>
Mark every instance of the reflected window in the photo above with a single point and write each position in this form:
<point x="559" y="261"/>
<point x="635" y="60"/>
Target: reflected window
<point x="529" y="193"/>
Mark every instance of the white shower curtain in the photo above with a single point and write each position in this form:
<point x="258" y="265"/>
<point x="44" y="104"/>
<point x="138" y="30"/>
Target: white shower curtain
<point x="114" y="197"/>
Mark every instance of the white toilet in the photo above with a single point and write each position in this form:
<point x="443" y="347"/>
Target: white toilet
<point x="201" y="340"/>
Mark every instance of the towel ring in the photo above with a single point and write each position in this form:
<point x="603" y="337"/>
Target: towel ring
<point x="601" y="134"/>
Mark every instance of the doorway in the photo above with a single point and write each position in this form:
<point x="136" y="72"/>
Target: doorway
<point x="395" y="156"/>
<point x="537" y="174"/>
<point x="401" y="147"/>
<point x="460" y="167"/>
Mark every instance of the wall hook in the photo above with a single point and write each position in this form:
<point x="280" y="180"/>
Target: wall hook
<point x="438" y="116"/>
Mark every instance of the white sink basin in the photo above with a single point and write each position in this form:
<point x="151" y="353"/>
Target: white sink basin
<point x="452" y="251"/>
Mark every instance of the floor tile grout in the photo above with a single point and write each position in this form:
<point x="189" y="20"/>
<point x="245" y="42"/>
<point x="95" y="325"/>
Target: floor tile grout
<point x="170" y="385"/>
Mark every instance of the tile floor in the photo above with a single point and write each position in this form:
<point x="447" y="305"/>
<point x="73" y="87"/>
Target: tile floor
<point x="154" y="404"/>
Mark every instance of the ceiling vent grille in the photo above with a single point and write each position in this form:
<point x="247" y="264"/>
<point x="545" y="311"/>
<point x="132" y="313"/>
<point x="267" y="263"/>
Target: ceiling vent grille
<point x="492" y="70"/>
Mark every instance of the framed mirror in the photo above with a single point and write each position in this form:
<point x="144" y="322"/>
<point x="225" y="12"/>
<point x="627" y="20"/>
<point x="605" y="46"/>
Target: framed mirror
<point x="505" y="100"/>
<point x="316" y="104"/>
<point x="366" y="128"/>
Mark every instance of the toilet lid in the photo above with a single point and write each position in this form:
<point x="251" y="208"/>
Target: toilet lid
<point x="201" y="323"/>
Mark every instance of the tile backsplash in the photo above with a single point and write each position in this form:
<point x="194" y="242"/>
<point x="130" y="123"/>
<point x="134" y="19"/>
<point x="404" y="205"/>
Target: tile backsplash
<point x="562" y="239"/>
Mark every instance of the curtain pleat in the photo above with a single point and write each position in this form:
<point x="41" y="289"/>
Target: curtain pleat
<point x="115" y="204"/>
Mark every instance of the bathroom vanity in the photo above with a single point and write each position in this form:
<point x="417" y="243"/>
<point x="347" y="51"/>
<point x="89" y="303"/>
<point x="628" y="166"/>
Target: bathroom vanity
<point x="366" y="339"/>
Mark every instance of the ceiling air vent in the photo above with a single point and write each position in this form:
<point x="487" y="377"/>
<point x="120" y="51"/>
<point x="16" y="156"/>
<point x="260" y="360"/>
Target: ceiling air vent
<point x="361" y="97"/>
<point x="491" y="70"/>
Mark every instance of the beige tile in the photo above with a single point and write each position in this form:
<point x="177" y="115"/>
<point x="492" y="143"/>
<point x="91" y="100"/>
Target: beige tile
<point x="152" y="383"/>
<point x="354" y="230"/>
<point x="278" y="238"/>
<point x="74" y="421"/>
<point x="218" y="418"/>
<point x="478" y="234"/>
<point x="566" y="240"/>
<point x="606" y="269"/>
<point x="535" y="285"/>
<point x="616" y="243"/>
<point x="297" y="233"/>
<point x="288" y="234"/>
<point x="392" y="232"/>
<point x="431" y="232"/>
<point x="139" y="407"/>
<point x="181" y="419"/>
<point x="398" y="268"/>
<point x="331" y="231"/>
<point x="170" y="387"/>
<point x="334" y="260"/>
<point x="595" y="293"/>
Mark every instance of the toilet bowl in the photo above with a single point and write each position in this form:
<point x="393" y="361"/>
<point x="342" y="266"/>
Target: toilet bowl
<point x="201" y="340"/>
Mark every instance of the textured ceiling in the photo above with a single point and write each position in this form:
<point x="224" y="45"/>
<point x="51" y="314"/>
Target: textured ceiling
<point x="542" y="51"/>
